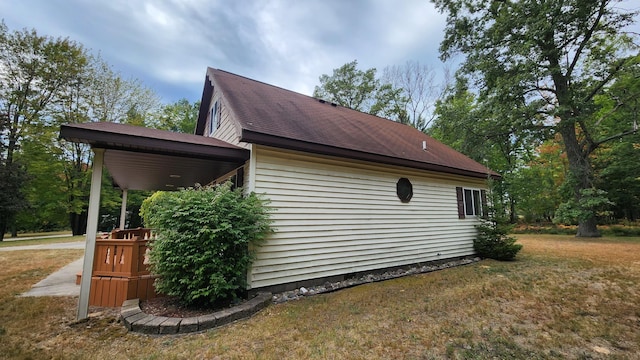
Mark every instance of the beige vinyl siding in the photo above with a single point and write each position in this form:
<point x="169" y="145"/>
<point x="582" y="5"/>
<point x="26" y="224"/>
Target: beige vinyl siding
<point x="335" y="217"/>
<point x="227" y="130"/>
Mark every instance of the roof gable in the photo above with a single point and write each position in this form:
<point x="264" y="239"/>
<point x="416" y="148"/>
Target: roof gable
<point x="269" y="115"/>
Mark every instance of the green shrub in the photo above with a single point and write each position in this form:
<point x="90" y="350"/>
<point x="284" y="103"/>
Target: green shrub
<point x="493" y="242"/>
<point x="621" y="230"/>
<point x="202" y="252"/>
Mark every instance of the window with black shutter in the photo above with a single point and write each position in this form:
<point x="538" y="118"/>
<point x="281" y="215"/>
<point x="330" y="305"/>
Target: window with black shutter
<point x="471" y="202"/>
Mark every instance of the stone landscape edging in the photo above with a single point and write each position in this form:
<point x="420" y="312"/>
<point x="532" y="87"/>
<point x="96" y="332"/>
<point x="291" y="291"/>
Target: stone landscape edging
<point x="135" y="320"/>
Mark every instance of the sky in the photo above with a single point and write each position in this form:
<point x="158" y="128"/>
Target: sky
<point x="168" y="44"/>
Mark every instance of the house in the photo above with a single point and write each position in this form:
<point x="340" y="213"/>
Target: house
<point x="350" y="192"/>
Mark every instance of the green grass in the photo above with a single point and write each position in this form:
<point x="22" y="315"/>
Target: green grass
<point x="562" y="298"/>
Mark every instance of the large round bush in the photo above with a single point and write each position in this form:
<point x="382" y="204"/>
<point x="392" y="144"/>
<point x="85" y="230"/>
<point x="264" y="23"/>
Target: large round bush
<point x="202" y="252"/>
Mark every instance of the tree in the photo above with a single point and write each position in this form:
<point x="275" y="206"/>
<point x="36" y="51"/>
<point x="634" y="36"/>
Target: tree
<point x="12" y="199"/>
<point x="44" y="189"/>
<point x="114" y="99"/>
<point x="96" y="94"/>
<point x="538" y="183"/>
<point x="492" y="240"/>
<point x="420" y="90"/>
<point x="544" y="63"/>
<point x="33" y="70"/>
<point x="616" y="163"/>
<point x="484" y="134"/>
<point x="362" y="91"/>
<point x="180" y="116"/>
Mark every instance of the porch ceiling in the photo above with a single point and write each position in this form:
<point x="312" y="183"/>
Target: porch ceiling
<point x="145" y="171"/>
<point x="148" y="159"/>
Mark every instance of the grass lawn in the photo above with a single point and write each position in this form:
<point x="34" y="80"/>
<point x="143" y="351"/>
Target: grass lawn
<point x="562" y="298"/>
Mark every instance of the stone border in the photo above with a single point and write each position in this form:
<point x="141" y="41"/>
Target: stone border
<point x="367" y="278"/>
<point x="136" y="320"/>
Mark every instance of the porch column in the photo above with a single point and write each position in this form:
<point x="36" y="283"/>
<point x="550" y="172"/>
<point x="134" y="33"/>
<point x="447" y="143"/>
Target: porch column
<point x="123" y="209"/>
<point x="92" y="231"/>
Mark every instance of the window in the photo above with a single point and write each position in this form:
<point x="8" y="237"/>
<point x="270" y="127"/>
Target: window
<point x="214" y="119"/>
<point x="471" y="202"/>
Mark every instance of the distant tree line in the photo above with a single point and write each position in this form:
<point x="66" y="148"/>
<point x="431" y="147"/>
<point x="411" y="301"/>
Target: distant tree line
<point x="46" y="82"/>
<point x="547" y="95"/>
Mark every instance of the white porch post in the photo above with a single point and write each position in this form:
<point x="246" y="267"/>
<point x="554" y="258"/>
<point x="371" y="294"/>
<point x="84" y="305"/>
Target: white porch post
<point x="123" y="209"/>
<point x="92" y="231"/>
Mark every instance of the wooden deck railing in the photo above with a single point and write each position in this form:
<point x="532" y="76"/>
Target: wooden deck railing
<point x="120" y="268"/>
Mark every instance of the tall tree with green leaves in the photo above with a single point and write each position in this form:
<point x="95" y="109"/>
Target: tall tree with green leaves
<point x="361" y="90"/>
<point x="616" y="163"/>
<point x="538" y="183"/>
<point x="98" y="93"/>
<point x="180" y="116"/>
<point x="487" y="136"/>
<point x="33" y="71"/>
<point x="544" y="63"/>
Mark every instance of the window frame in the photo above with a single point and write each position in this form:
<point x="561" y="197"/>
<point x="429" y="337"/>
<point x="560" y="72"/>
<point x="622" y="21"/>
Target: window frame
<point x="472" y="202"/>
<point x="214" y="118"/>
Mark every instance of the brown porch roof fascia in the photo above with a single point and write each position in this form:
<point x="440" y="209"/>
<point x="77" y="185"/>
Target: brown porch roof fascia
<point x="320" y="149"/>
<point x="139" y="139"/>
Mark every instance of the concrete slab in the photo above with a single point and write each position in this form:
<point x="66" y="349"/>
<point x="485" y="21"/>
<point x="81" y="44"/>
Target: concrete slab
<point x="60" y="283"/>
<point x="9" y="238"/>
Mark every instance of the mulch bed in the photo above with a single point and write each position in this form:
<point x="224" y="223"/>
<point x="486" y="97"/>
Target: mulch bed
<point x="170" y="306"/>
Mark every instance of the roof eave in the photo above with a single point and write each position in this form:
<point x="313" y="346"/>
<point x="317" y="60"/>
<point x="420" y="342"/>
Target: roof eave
<point x="314" y="148"/>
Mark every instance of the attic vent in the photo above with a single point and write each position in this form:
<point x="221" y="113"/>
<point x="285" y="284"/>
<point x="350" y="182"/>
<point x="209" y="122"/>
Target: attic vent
<point x="404" y="189"/>
<point x="321" y="101"/>
<point x="334" y="104"/>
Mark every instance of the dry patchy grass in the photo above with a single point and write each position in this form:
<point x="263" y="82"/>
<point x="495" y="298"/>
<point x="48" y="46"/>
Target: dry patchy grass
<point x="562" y="298"/>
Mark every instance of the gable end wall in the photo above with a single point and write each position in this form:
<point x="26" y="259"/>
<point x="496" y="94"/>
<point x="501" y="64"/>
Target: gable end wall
<point x="227" y="131"/>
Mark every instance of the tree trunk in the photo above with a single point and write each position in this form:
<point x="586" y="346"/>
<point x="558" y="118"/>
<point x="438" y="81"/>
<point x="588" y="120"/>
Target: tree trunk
<point x="78" y="223"/>
<point x="3" y="228"/>
<point x="588" y="228"/>
<point x="580" y="169"/>
<point x="512" y="210"/>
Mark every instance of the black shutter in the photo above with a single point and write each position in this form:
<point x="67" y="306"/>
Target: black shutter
<point x="485" y="209"/>
<point x="240" y="177"/>
<point x="460" y="202"/>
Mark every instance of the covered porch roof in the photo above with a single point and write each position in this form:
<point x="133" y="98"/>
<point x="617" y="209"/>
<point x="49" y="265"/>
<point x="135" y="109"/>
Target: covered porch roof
<point x="139" y="158"/>
<point x="145" y="159"/>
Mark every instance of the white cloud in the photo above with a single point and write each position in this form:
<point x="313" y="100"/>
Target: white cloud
<point x="169" y="44"/>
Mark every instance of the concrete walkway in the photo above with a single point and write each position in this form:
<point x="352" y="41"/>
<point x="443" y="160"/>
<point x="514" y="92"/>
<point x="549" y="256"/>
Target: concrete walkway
<point x="9" y="238"/>
<point x="54" y="246"/>
<point x="61" y="282"/>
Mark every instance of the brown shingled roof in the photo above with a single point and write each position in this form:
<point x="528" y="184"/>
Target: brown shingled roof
<point x="269" y="115"/>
